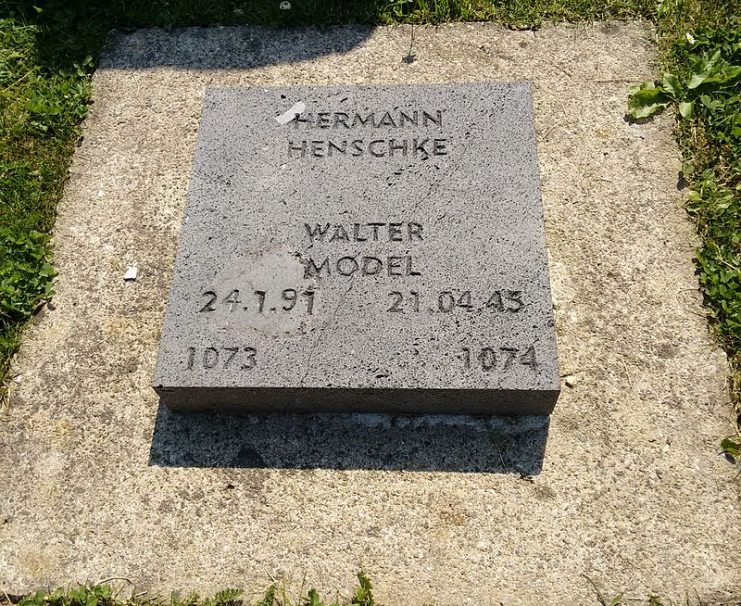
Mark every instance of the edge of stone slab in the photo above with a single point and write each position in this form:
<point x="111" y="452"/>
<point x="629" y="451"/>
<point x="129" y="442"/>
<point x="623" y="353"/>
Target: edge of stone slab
<point x="375" y="400"/>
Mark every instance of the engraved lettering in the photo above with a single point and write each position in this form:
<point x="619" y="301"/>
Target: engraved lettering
<point x="372" y="266"/>
<point x="394" y="146"/>
<point x="317" y="149"/>
<point x="359" y="120"/>
<point x="503" y="358"/>
<point x="340" y="118"/>
<point x="404" y="118"/>
<point x="251" y="359"/>
<point x="415" y="231"/>
<point x="356" y="233"/>
<point x="292" y="147"/>
<point x="232" y="299"/>
<point x="331" y="146"/>
<point x="261" y="300"/>
<point x="395" y="232"/>
<point x="378" y="148"/>
<point x="450" y="301"/>
<point x="410" y="270"/>
<point x="488" y="358"/>
<point x="318" y="232"/>
<point x="464" y="300"/>
<point x="374" y="227"/>
<point x="396" y="305"/>
<point x="373" y="144"/>
<point x="309" y="294"/>
<point x="419" y="147"/>
<point x="466" y="357"/>
<point x="438" y="147"/>
<point x="311" y="268"/>
<point x="445" y="301"/>
<point x="394" y="264"/>
<point x="347" y="266"/>
<point x="233" y="351"/>
<point x="302" y="119"/>
<point x="289" y="295"/>
<point x="515" y="296"/>
<point x="209" y="306"/>
<point x="357" y="148"/>
<point x="437" y="120"/>
<point x="392" y="119"/>
<point x="415" y="295"/>
<point x="211" y="356"/>
<point x="495" y="301"/>
<point x="339" y="234"/>
<point x="386" y="120"/>
<point x="528" y="358"/>
<point x="510" y="354"/>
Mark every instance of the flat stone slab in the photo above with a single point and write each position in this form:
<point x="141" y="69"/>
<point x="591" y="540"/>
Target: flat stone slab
<point x="375" y="248"/>
<point x="623" y="485"/>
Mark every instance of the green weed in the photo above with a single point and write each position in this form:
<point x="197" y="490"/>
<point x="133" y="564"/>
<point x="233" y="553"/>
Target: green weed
<point x="104" y="595"/>
<point x="702" y="80"/>
<point x="40" y="111"/>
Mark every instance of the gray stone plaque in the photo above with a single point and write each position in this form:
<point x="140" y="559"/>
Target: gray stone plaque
<point x="364" y="248"/>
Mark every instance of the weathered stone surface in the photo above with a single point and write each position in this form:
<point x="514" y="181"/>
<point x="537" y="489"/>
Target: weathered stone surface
<point x="381" y="251"/>
<point x="98" y="480"/>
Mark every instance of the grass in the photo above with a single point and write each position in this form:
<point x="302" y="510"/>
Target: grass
<point x="105" y="595"/>
<point x="39" y="114"/>
<point x="48" y="50"/>
<point x="701" y="79"/>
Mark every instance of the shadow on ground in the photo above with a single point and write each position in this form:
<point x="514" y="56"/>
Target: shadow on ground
<point x="351" y="441"/>
<point x="227" y="48"/>
<point x="75" y="31"/>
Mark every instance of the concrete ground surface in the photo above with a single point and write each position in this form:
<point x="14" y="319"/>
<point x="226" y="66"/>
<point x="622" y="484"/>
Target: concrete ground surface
<point x="623" y="487"/>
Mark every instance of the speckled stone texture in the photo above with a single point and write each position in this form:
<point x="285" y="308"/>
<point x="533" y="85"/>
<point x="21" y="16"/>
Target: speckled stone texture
<point x="379" y="251"/>
<point x="624" y="485"/>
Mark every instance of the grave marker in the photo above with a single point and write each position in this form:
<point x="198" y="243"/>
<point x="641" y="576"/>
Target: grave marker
<point x="372" y="248"/>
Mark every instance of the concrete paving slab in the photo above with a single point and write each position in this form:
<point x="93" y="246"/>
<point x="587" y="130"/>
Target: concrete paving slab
<point x="624" y="486"/>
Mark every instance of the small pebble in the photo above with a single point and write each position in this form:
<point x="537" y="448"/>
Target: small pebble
<point x="131" y="273"/>
<point x="570" y="380"/>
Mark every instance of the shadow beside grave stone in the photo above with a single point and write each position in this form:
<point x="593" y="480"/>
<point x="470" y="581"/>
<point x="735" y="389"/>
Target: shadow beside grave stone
<point x="351" y="441"/>
<point x="71" y="29"/>
<point x="228" y="47"/>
